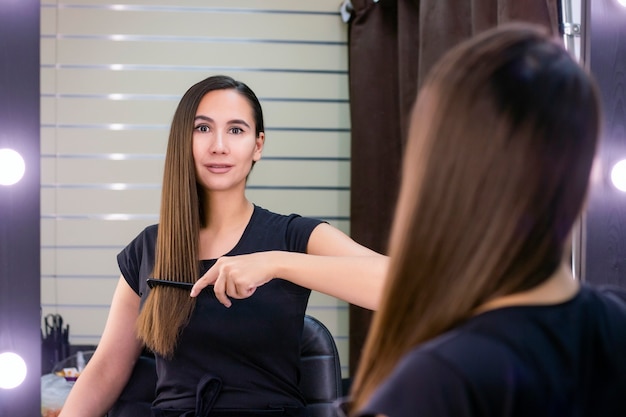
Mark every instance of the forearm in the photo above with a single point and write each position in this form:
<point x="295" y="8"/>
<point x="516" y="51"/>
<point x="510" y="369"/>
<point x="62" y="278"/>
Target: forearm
<point x="108" y="370"/>
<point x="358" y="280"/>
<point x="333" y="264"/>
<point x="95" y="391"/>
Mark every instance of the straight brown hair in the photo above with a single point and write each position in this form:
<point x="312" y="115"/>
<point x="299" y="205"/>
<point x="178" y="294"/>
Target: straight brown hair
<point x="167" y="310"/>
<point x="501" y="143"/>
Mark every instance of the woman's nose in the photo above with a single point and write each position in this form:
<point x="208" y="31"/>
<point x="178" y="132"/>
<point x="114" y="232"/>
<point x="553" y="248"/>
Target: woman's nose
<point x="218" y="144"/>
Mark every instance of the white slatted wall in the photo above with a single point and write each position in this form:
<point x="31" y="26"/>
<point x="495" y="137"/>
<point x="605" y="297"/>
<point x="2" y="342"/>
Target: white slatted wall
<point x="111" y="76"/>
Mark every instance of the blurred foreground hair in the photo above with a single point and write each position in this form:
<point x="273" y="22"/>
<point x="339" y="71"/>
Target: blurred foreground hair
<point x="501" y="143"/>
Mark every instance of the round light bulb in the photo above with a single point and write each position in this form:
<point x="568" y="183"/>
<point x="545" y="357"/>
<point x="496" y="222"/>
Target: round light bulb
<point x="12" y="167"/>
<point x="12" y="370"/>
<point x="618" y="175"/>
<point x="622" y="2"/>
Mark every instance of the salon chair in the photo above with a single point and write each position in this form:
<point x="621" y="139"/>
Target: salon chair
<point x="320" y="378"/>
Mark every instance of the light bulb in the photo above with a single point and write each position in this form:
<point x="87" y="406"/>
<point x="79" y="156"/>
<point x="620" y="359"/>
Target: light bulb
<point x="618" y="175"/>
<point x="12" y="370"/>
<point x="622" y="2"/>
<point x="12" y="167"/>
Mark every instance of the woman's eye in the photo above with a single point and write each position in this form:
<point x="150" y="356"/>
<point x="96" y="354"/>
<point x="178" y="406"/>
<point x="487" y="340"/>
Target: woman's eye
<point x="202" y="128"/>
<point x="236" y="130"/>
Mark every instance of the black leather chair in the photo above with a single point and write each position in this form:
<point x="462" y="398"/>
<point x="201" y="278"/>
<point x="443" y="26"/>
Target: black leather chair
<point x="320" y="378"/>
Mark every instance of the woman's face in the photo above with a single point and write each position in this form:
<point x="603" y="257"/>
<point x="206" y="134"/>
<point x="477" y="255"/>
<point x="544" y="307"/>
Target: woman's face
<point x="224" y="141"/>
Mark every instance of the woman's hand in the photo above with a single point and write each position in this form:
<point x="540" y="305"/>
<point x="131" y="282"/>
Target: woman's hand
<point x="236" y="276"/>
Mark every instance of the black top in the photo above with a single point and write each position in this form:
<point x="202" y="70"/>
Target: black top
<point x="563" y="360"/>
<point x="253" y="346"/>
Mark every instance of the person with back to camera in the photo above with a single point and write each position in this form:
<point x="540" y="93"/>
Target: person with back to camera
<point x="481" y="315"/>
<point x="237" y="331"/>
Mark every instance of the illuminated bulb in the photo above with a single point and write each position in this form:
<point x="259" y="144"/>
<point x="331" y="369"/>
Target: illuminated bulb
<point x="622" y="2"/>
<point x="12" y="167"/>
<point x="618" y="174"/>
<point x="12" y="370"/>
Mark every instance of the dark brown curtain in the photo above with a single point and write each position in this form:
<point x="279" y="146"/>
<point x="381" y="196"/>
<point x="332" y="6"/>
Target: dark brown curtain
<point x="393" y="44"/>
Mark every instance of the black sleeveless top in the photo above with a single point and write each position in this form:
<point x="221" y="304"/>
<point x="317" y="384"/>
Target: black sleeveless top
<point x="253" y="347"/>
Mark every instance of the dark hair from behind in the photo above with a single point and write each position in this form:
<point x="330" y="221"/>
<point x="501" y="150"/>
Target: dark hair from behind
<point x="168" y="309"/>
<point x="502" y="139"/>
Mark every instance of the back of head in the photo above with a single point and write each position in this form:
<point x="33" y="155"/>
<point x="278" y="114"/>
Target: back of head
<point x="496" y="169"/>
<point x="501" y="143"/>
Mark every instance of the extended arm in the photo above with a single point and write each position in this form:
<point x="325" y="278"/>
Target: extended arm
<point x="107" y="372"/>
<point x="334" y="264"/>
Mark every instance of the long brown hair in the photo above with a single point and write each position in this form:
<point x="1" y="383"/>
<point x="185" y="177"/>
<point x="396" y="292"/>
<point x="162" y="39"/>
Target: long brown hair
<point x="501" y="143"/>
<point x="167" y="310"/>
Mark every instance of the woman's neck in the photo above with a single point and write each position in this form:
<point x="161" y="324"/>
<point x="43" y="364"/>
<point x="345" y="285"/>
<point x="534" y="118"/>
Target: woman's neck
<point x="559" y="288"/>
<point x="225" y="224"/>
<point x="223" y="212"/>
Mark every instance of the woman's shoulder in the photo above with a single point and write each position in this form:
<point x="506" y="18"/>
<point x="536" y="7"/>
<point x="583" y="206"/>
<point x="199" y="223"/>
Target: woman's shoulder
<point x="262" y="212"/>
<point x="610" y="293"/>
<point x="267" y="217"/>
<point x="151" y="230"/>
<point x="274" y="231"/>
<point x="149" y="234"/>
<point x="422" y="370"/>
<point x="605" y="306"/>
<point x="145" y="238"/>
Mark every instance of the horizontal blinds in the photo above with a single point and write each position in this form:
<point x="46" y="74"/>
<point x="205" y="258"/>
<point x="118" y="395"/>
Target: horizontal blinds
<point x="111" y="76"/>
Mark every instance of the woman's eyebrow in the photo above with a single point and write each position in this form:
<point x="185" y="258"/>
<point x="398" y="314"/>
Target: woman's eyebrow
<point x="230" y="122"/>
<point x="205" y="118"/>
<point x="238" y="122"/>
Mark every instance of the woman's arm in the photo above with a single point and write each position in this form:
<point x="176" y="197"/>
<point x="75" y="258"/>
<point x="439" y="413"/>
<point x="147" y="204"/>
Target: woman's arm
<point x="334" y="264"/>
<point x="108" y="370"/>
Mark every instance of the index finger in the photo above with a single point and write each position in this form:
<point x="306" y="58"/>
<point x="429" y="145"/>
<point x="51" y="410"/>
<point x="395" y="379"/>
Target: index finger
<point x="207" y="279"/>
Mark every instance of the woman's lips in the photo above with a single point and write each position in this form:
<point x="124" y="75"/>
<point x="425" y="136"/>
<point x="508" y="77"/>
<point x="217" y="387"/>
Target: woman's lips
<point x="218" y="168"/>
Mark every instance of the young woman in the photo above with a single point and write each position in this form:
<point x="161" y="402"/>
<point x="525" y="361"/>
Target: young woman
<point x="239" y="328"/>
<point x="481" y="315"/>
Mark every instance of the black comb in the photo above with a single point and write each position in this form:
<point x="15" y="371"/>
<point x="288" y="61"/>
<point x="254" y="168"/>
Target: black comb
<point x="153" y="282"/>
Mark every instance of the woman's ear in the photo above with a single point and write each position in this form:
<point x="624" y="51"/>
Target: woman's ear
<point x="258" y="149"/>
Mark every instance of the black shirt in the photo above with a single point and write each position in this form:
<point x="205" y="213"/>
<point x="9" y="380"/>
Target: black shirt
<point x="253" y="346"/>
<point x="564" y="360"/>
